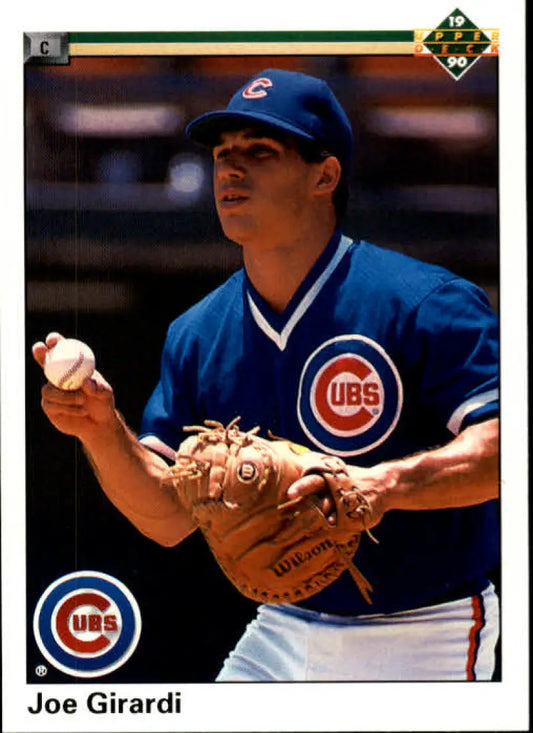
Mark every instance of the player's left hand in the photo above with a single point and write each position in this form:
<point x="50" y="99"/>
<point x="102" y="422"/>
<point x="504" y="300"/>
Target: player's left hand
<point x="366" y="482"/>
<point x="315" y="486"/>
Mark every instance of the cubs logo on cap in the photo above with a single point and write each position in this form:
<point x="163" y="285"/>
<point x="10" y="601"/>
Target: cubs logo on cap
<point x="288" y="101"/>
<point x="257" y="89"/>
<point x="87" y="624"/>
<point x="350" y="395"/>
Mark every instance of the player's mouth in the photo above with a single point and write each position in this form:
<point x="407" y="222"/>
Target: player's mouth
<point x="232" y="199"/>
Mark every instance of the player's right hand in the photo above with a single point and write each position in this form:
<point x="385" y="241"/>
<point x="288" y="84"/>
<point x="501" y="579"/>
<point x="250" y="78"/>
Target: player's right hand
<point x="82" y="412"/>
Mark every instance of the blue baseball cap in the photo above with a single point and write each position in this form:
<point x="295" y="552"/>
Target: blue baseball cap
<point x="294" y="103"/>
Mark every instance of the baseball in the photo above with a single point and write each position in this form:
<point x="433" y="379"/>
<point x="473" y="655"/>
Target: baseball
<point x="68" y="364"/>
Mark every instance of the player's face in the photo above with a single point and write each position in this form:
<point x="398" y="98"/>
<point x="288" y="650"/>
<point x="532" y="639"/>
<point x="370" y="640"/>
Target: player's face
<point x="263" y="188"/>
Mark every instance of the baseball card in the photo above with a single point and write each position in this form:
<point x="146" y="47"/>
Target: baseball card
<point x="264" y="370"/>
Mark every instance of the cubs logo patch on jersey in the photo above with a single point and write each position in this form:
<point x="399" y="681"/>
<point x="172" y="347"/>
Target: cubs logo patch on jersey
<point x="350" y="395"/>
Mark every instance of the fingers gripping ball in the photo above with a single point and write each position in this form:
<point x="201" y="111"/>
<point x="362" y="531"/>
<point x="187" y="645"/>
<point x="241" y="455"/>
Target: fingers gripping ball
<point x="234" y="485"/>
<point x="68" y="364"/>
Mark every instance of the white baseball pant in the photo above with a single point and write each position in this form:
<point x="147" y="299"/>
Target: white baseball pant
<point x="450" y="641"/>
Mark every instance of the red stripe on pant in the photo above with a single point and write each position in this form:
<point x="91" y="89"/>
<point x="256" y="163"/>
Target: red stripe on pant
<point x="478" y="618"/>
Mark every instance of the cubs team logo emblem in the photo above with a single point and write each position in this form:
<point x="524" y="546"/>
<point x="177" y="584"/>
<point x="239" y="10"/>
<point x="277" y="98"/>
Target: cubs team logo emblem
<point x="87" y="624"/>
<point x="350" y="395"/>
<point x="257" y="89"/>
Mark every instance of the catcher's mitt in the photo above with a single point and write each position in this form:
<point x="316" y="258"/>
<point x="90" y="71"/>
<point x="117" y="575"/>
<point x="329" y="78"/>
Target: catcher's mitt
<point x="274" y="550"/>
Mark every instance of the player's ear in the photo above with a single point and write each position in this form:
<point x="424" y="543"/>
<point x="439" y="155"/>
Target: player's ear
<point x="329" y="175"/>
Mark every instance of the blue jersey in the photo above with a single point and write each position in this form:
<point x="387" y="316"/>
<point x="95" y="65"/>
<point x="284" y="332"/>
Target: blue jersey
<point x="376" y="357"/>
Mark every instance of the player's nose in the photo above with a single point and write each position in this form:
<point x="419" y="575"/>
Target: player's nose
<point x="231" y="166"/>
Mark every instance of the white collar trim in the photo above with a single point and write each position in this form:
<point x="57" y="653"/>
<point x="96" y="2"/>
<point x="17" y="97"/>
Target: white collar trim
<point x="281" y="339"/>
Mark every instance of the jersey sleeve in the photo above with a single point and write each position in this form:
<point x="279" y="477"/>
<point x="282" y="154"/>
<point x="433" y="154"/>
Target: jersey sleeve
<point x="169" y="407"/>
<point x="454" y="337"/>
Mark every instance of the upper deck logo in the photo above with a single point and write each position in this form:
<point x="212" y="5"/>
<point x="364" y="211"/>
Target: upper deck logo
<point x="87" y="624"/>
<point x="350" y="395"/>
<point x="457" y="43"/>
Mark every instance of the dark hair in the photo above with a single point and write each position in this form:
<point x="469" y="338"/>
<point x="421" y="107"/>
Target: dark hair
<point x="310" y="151"/>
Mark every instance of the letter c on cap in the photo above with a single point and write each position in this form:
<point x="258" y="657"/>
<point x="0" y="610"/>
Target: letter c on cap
<point x="257" y="88"/>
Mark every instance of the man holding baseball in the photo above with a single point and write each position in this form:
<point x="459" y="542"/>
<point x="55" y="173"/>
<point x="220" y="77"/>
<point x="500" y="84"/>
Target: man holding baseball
<point x="349" y="350"/>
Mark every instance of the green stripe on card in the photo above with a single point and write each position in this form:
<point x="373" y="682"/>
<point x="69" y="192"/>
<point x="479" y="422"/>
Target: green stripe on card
<point x="375" y="36"/>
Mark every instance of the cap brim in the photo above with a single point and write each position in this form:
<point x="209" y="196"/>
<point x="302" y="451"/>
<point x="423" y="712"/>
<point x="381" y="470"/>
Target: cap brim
<point x="206" y="129"/>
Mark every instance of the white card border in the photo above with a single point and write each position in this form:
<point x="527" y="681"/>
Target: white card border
<point x="328" y="706"/>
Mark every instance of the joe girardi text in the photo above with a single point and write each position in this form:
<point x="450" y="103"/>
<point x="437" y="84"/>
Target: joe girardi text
<point x="106" y="702"/>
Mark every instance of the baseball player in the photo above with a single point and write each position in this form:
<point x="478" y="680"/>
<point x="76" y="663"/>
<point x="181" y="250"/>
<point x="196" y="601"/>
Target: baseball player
<point x="351" y="350"/>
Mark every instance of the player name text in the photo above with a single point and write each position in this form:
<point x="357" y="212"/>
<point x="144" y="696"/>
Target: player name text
<point x="107" y="702"/>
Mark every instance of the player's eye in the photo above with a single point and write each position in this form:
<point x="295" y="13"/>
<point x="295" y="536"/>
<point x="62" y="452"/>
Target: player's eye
<point x="261" y="151"/>
<point x="255" y="151"/>
<point x="220" y="153"/>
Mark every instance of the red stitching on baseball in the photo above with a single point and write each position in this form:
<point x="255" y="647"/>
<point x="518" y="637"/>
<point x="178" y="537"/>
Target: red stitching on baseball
<point x="74" y="368"/>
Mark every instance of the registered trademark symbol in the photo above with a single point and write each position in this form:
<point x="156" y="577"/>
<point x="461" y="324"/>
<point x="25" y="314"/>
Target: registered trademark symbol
<point x="41" y="670"/>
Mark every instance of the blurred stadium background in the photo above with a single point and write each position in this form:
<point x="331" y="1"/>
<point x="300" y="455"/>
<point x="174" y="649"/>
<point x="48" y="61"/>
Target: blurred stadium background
<point x="122" y="236"/>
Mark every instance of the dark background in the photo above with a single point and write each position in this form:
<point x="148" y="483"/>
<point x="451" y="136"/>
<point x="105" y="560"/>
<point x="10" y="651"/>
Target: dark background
<point x="121" y="237"/>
